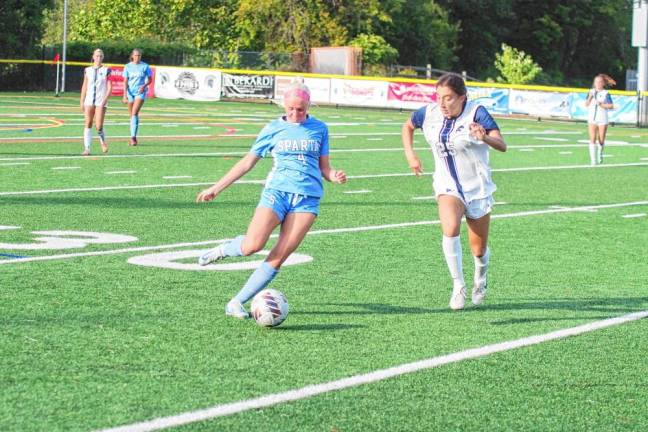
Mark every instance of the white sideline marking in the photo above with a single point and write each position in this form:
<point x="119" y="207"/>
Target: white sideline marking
<point x="635" y="215"/>
<point x="374" y="139"/>
<point x="370" y="377"/>
<point x="14" y="163"/>
<point x="429" y="197"/>
<point x="565" y="152"/>
<point x="364" y="176"/>
<point x="525" y="149"/>
<point x="318" y="232"/>
<point x="553" y="139"/>
<point x="66" y="168"/>
<point x="177" y="177"/>
<point x="120" y="172"/>
<point x="360" y="191"/>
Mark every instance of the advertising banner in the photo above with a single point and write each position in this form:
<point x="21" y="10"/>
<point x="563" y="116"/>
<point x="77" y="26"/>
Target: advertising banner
<point x="625" y="108"/>
<point x="186" y="83"/>
<point x="359" y="92"/>
<point x="410" y="95"/>
<point x="320" y="88"/>
<point x="248" y="86"/>
<point x="536" y="103"/>
<point x="495" y="100"/>
<point x="118" y="82"/>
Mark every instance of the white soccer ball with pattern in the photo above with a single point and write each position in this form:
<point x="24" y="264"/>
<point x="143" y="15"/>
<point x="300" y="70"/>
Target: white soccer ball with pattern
<point x="269" y="308"/>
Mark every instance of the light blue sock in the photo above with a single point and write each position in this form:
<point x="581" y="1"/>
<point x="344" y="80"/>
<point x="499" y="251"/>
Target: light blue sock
<point x="233" y="248"/>
<point x="134" y="125"/>
<point x="260" y="279"/>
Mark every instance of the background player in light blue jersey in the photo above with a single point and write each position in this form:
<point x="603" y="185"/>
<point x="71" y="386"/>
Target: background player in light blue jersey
<point x="137" y="77"/>
<point x="299" y="144"/>
<point x="598" y="103"/>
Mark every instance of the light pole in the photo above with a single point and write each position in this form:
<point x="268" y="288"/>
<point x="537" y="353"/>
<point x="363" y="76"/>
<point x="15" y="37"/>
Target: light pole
<point x="64" y="44"/>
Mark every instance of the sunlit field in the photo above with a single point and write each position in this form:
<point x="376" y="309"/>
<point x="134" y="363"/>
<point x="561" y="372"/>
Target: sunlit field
<point x="106" y="320"/>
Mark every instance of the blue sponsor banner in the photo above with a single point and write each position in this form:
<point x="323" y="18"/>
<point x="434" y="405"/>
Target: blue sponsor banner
<point x="495" y="100"/>
<point x="625" y="108"/>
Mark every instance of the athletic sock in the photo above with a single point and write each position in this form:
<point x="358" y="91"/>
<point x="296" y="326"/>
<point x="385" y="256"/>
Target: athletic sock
<point x="481" y="267"/>
<point x="261" y="277"/>
<point x="233" y="248"/>
<point x="134" y="125"/>
<point x="102" y="135"/>
<point x="592" y="151"/>
<point x="599" y="153"/>
<point x="452" y="251"/>
<point x="87" y="138"/>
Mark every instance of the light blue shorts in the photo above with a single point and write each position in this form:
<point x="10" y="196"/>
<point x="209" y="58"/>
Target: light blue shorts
<point x="131" y="97"/>
<point x="283" y="203"/>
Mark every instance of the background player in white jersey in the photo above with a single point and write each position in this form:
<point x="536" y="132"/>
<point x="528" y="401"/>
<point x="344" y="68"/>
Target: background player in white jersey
<point x="137" y="77"/>
<point x="460" y="134"/>
<point x="95" y="91"/>
<point x="598" y="103"/>
<point x="299" y="144"/>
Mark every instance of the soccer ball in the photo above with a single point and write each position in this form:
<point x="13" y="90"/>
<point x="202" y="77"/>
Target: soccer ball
<point x="269" y="308"/>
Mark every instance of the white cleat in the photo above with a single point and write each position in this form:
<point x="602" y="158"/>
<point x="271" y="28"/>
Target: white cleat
<point x="479" y="293"/>
<point x="458" y="298"/>
<point x="211" y="256"/>
<point x="235" y="309"/>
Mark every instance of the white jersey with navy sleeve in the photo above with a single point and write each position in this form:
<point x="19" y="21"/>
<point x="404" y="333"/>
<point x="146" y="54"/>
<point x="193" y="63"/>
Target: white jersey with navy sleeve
<point x="296" y="149"/>
<point x="97" y="85"/>
<point x="461" y="161"/>
<point x="596" y="114"/>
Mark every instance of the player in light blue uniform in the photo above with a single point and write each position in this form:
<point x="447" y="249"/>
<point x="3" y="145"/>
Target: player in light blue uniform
<point x="137" y="77"/>
<point x="299" y="144"/>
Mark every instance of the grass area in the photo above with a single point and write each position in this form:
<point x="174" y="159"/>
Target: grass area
<point x="93" y="341"/>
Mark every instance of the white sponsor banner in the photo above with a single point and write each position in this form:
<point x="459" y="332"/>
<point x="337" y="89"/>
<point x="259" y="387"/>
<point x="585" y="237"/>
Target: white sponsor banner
<point x="192" y="84"/>
<point x="545" y="104"/>
<point x="359" y="93"/>
<point x="320" y="88"/>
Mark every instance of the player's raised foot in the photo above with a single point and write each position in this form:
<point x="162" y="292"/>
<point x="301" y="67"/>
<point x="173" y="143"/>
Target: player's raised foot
<point x="104" y="147"/>
<point x="458" y="298"/>
<point x="235" y="309"/>
<point x="132" y="142"/>
<point x="86" y="152"/>
<point x="212" y="255"/>
<point x="479" y="293"/>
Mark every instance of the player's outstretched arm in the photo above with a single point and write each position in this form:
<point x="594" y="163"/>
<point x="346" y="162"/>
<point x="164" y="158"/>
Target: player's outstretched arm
<point x="329" y="173"/>
<point x="236" y="172"/>
<point x="407" y="136"/>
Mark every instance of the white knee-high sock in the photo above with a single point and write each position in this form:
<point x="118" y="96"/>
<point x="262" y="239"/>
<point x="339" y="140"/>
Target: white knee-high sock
<point x="481" y="267"/>
<point x="599" y="153"/>
<point x="452" y="251"/>
<point x="592" y="151"/>
<point x="87" y="138"/>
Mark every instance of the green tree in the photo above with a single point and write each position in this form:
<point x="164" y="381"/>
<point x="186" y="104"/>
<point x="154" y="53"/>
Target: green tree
<point x="515" y="67"/>
<point x="376" y="53"/>
<point x="53" y="20"/>
<point x="21" y="27"/>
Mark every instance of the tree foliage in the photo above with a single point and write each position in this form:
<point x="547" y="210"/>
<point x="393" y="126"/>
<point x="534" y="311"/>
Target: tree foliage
<point x="515" y="66"/>
<point x="21" y="26"/>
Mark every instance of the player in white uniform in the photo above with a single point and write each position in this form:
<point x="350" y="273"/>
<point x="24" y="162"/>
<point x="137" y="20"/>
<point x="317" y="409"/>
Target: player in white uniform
<point x="460" y="134"/>
<point x="598" y="103"/>
<point x="94" y="97"/>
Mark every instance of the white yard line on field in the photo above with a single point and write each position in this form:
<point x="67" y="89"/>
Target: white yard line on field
<point x="269" y="400"/>
<point x="363" y="176"/>
<point x="635" y="215"/>
<point x="322" y="231"/>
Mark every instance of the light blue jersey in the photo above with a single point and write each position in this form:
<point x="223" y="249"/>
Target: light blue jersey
<point x="136" y="74"/>
<point x="296" y="149"/>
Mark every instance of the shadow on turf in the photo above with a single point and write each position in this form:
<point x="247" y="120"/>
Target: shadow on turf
<point x="601" y="305"/>
<point x="319" y="327"/>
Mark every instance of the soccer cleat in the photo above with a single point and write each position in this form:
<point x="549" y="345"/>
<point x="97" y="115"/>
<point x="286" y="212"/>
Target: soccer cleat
<point x="235" y="309"/>
<point x="211" y="256"/>
<point x="104" y="147"/>
<point x="458" y="298"/>
<point x="479" y="293"/>
<point x="86" y="152"/>
<point x="133" y="142"/>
